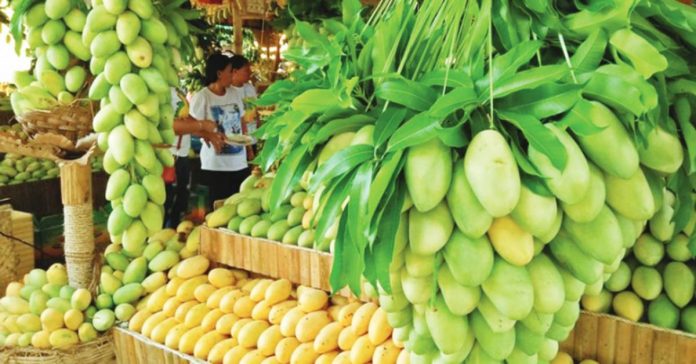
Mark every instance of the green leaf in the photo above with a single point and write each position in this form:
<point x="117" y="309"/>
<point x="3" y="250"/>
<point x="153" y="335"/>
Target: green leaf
<point x="383" y="248"/>
<point x="692" y="245"/>
<point x="648" y="94"/>
<point x="683" y="112"/>
<point x="408" y="93"/>
<point x="419" y="129"/>
<point x="644" y="57"/>
<point x="522" y="160"/>
<point x="269" y="154"/>
<point x="454" y="136"/>
<point x="579" y="119"/>
<point x="351" y="11"/>
<point x="317" y="101"/>
<point x="506" y="65"/>
<point x="288" y="175"/>
<point x="590" y="53"/>
<point x="351" y="123"/>
<point x="538" y="6"/>
<point x="614" y="92"/>
<point x="536" y="185"/>
<point x="387" y="123"/>
<point x="20" y="8"/>
<point x="684" y="206"/>
<point x="332" y="201"/>
<point x="460" y="98"/>
<point x="539" y="137"/>
<point x="386" y="176"/>
<point x="290" y="121"/>
<point x="682" y="86"/>
<point x="348" y="263"/>
<point x="340" y="163"/>
<point x="357" y="207"/>
<point x="529" y="79"/>
<point x="447" y="78"/>
<point x="542" y="102"/>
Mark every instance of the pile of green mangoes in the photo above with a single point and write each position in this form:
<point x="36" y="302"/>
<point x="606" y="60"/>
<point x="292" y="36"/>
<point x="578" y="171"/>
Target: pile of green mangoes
<point x="16" y="169"/>
<point x="247" y="212"/>
<point x="54" y="33"/>
<point x="657" y="281"/>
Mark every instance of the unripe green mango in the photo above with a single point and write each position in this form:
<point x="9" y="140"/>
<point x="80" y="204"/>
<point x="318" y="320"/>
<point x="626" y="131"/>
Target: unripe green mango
<point x="527" y="340"/>
<point x="110" y="164"/>
<point x="549" y="290"/>
<point x="306" y="239"/>
<point x="277" y="230"/>
<point x="601" y="238"/>
<point x="571" y="184"/>
<point x="470" y="260"/>
<point x="537" y="322"/>
<point x="663" y="151"/>
<point x="56" y="9"/>
<point x="41" y="65"/>
<point x="140" y="52"/>
<point x="115" y="7"/>
<point x="249" y="222"/>
<point x="679" y="283"/>
<point x="121" y="144"/>
<point x="631" y="197"/>
<point x="291" y="236"/>
<point x="173" y="39"/>
<point x="496" y="345"/>
<point x="534" y="213"/>
<point x="52" y="81"/>
<point x="494" y="318"/>
<point x="106" y="119"/>
<point x="145" y="154"/>
<point x="568" y="314"/>
<point x="117" y="261"/>
<point x="447" y="329"/>
<point x="661" y="225"/>
<point x="105" y="44"/>
<point x="88" y="37"/>
<point x="418" y="265"/>
<point x="129" y="293"/>
<point x="143" y="8"/>
<point x="260" y="229"/>
<point x="492" y="173"/>
<point x="136" y="271"/>
<point x="591" y="204"/>
<point x="136" y="124"/>
<point x="118" y="221"/>
<point x="120" y="102"/>
<point x="128" y="27"/>
<point x="34" y="39"/>
<point x="510" y="289"/>
<point x="468" y="213"/>
<point x="117" y="66"/>
<point x="647" y="283"/>
<point x="134" y="200"/>
<point x="249" y="207"/>
<point x="417" y="290"/>
<point x="559" y="332"/>
<point x="154" y="80"/>
<point x="134" y="87"/>
<point x="518" y="356"/>
<point x="134" y="239"/>
<point x="164" y="261"/>
<point x="154" y="186"/>
<point x="334" y="145"/>
<point x="166" y="116"/>
<point x="117" y="184"/>
<point x="431" y="161"/>
<point x="149" y="107"/>
<point x="460" y="299"/>
<point x="662" y="312"/>
<point x="620" y="279"/>
<point x="678" y="249"/>
<point x="96" y="65"/>
<point x="75" y="78"/>
<point x="179" y="23"/>
<point x="571" y="257"/>
<point x="611" y="148"/>
<point x="99" y="20"/>
<point x="109" y="283"/>
<point x="76" y="20"/>
<point x="429" y="231"/>
<point x="154" y="31"/>
<point x="100" y="88"/>
<point x="35" y="16"/>
<point x="53" y="32"/>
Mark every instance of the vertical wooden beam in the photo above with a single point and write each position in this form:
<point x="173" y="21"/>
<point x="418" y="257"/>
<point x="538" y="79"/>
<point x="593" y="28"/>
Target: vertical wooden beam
<point x="238" y="24"/>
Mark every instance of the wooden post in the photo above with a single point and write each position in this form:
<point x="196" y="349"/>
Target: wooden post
<point x="76" y="194"/>
<point x="238" y="24"/>
<point x="8" y="256"/>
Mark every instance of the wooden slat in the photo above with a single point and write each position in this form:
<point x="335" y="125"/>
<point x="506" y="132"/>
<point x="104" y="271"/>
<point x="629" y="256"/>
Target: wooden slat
<point x="606" y="345"/>
<point x="133" y="348"/>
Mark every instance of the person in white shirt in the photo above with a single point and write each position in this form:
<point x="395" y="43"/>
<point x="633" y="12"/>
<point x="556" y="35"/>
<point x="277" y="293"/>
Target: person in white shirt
<point x="178" y="188"/>
<point x="223" y="168"/>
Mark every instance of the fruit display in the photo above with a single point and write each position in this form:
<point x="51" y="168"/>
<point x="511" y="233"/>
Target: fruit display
<point x="657" y="281"/>
<point x="54" y="31"/>
<point x="225" y="316"/>
<point x="15" y="169"/>
<point x="44" y="312"/>
<point x="483" y="164"/>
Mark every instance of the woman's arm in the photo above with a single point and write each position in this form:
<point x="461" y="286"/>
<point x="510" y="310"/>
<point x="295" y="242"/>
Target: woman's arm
<point x="190" y="125"/>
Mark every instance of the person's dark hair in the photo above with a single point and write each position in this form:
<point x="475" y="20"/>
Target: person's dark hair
<point x="214" y="64"/>
<point x="238" y="62"/>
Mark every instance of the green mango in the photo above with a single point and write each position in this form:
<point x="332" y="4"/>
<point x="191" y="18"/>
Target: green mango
<point x="620" y="279"/>
<point x="140" y="52"/>
<point x="173" y="39"/>
<point x="154" y="80"/>
<point x="35" y="16"/>
<point x="120" y="103"/>
<point x="154" y="186"/>
<point x="109" y="284"/>
<point x="418" y="265"/>
<point x="134" y="200"/>
<point x="56" y="9"/>
<point x="121" y="145"/>
<point x="498" y="345"/>
<point x="518" y="356"/>
<point x="568" y="314"/>
<point x="510" y="289"/>
<point x="152" y="217"/>
<point x="105" y="44"/>
<point x="662" y="225"/>
<point x="447" y="329"/>
<point x="99" y="88"/>
<point x="152" y="250"/>
<point x="468" y="213"/>
<point x="53" y="32"/>
<point x="679" y="283"/>
<point x="591" y="204"/>
<point x="549" y="289"/>
<point x="688" y="319"/>
<point x="136" y="271"/>
<point x="492" y="173"/>
<point x="106" y="119"/>
<point x="99" y="19"/>
<point x="662" y="152"/>
<point x="611" y="148"/>
<point x="128" y="27"/>
<point x="117" y="184"/>
<point x="572" y="183"/>
<point x="260" y="229"/>
<point x="236" y="221"/>
<point x="180" y="24"/>
<point x="431" y="161"/>
<point x="627" y="305"/>
<point x="143" y="8"/>
<point x="277" y="230"/>
<point x="528" y="341"/>
<point x="97" y="65"/>
<point x="249" y="207"/>
<point x="134" y="87"/>
<point x="52" y="81"/>
<point x="149" y="107"/>
<point x="129" y="293"/>
<point x="648" y="250"/>
<point x="647" y="282"/>
<point x="549" y="350"/>
<point x="75" y="78"/>
<point x="154" y="31"/>
<point x="629" y="233"/>
<point x="534" y="213"/>
<point x="73" y="43"/>
<point x="601" y="238"/>
<point x="663" y="313"/>
<point x="416" y="289"/>
<point x="631" y="197"/>
<point x="134" y="239"/>
<point x="295" y="216"/>
<point x="115" y="7"/>
<point x="117" y="261"/>
<point x="117" y="66"/>
<point x="58" y="56"/>
<point x="248" y="224"/>
<point x="479" y="356"/>
<point x="75" y="20"/>
<point x="145" y="154"/>
<point x="429" y="231"/>
<point x="571" y="257"/>
<point x="291" y="236"/>
<point x="137" y="124"/>
<point x="470" y="260"/>
<point x="559" y="332"/>
<point x="306" y="239"/>
<point x="678" y="249"/>
<point x="495" y="320"/>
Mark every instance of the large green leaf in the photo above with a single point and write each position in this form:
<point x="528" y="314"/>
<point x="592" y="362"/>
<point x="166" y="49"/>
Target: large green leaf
<point x="419" y="129"/>
<point x="357" y="207"/>
<point x="460" y="98"/>
<point x="454" y="136"/>
<point x="351" y="123"/>
<point x="288" y="175"/>
<point x="644" y="57"/>
<point x="411" y="94"/>
<point x="447" y="78"/>
<point x="506" y="65"/>
<point x="590" y="53"/>
<point x="683" y="112"/>
<point x="348" y="263"/>
<point x="539" y="137"/>
<point x="318" y="101"/>
<point x="340" y="163"/>
<point x="684" y="206"/>
<point x="331" y="203"/>
<point x="542" y="102"/>
<point x="387" y="123"/>
<point x="529" y="79"/>
<point x="383" y="248"/>
<point x="385" y="177"/>
<point x="614" y="91"/>
<point x="579" y="119"/>
<point x="522" y="160"/>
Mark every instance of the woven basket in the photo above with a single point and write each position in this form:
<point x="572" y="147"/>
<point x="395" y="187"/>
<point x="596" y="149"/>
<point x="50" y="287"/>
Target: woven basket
<point x="99" y="351"/>
<point x="72" y="121"/>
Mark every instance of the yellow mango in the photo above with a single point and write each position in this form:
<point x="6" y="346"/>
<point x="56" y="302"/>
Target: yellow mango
<point x="261" y="311"/>
<point x="203" y="292"/>
<point x="244" y="306"/>
<point x="188" y="340"/>
<point x="221" y="277"/>
<point x="278" y="311"/>
<point x="206" y="343"/>
<point x="304" y="354"/>
<point x="310" y="299"/>
<point x="159" y="333"/>
<point x="362" y="317"/>
<point x="211" y="319"/>
<point x="224" y="323"/>
<point x="309" y="325"/>
<point x="218" y="351"/>
<point x="183" y="309"/>
<point x="238" y="326"/>
<point x="235" y="355"/>
<point x="170" y="306"/>
<point x="285" y="348"/>
<point x="151" y="322"/>
<point x="193" y="267"/>
<point x="195" y="315"/>
<point x="215" y="298"/>
<point x="185" y="291"/>
<point x="362" y="350"/>
<point x="136" y="322"/>
<point x="327" y="338"/>
<point x="511" y="242"/>
<point x="278" y="291"/>
<point x="379" y="330"/>
<point x="290" y="320"/>
<point x="174" y="336"/>
<point x="346" y="339"/>
<point x="269" y="339"/>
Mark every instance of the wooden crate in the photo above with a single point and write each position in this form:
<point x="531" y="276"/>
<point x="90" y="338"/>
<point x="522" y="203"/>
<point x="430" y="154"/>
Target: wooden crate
<point x="134" y="348"/>
<point x="23" y="229"/>
<point x="610" y="339"/>
<point x="269" y="258"/>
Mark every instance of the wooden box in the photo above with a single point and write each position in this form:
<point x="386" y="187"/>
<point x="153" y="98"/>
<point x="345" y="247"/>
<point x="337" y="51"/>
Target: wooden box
<point x="134" y="348"/>
<point x="610" y="339"/>
<point x="269" y="258"/>
<point x="23" y="229"/>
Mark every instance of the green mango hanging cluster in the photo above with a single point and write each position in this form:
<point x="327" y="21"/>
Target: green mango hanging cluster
<point x="53" y="30"/>
<point x="510" y="154"/>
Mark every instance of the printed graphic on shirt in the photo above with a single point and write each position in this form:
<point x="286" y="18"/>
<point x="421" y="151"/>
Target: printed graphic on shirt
<point x="228" y="118"/>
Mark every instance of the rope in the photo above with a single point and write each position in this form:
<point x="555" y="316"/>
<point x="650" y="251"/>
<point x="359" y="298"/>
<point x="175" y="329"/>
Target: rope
<point x="79" y="244"/>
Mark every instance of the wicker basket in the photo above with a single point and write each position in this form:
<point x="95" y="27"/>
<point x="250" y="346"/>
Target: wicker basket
<point x="99" y="351"/>
<point x="72" y="121"/>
